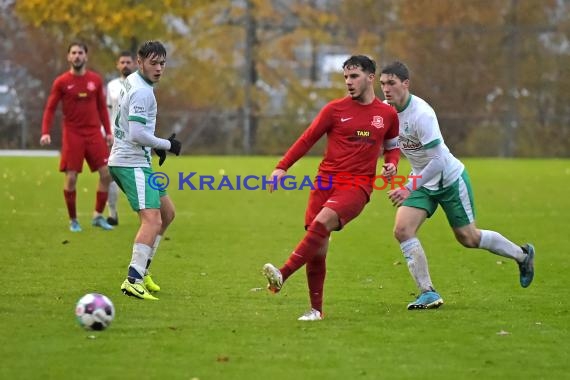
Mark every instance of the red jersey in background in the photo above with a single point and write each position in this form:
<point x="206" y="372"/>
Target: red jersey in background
<point x="83" y="104"/>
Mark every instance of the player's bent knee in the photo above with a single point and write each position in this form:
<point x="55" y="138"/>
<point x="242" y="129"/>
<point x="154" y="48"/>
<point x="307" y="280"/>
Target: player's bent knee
<point x="468" y="240"/>
<point x="329" y="219"/>
<point x="151" y="221"/>
<point x="152" y="226"/>
<point x="71" y="180"/>
<point x="403" y="233"/>
<point x="318" y="228"/>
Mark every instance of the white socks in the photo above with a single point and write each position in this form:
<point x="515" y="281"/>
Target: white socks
<point x="490" y="240"/>
<point x="499" y="245"/>
<point x="141" y="253"/>
<point x="142" y="256"/>
<point x="417" y="263"/>
<point x="155" y="246"/>
<point x="113" y="195"/>
<point x="153" y="252"/>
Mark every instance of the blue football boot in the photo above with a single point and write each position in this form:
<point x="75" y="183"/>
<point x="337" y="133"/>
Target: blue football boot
<point x="526" y="268"/>
<point x="426" y="300"/>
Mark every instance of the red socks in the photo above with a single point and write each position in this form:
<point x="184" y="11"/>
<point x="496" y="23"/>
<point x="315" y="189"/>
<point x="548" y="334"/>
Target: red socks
<point x="70" y="196"/>
<point x="316" y="236"/>
<point x="101" y="201"/>
<point x="316" y="272"/>
<point x="70" y="202"/>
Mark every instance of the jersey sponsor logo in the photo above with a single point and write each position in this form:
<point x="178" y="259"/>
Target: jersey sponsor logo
<point x="343" y="119"/>
<point x="91" y="86"/>
<point x="81" y="94"/>
<point x="377" y="121"/>
<point x="139" y="109"/>
<point x="408" y="144"/>
<point x="363" y="137"/>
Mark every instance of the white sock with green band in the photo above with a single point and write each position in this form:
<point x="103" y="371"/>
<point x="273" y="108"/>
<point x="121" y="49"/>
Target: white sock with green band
<point x="417" y="263"/>
<point x="499" y="245"/>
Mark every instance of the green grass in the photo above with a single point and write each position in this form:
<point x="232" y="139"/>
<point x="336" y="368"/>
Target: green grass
<point x="211" y="324"/>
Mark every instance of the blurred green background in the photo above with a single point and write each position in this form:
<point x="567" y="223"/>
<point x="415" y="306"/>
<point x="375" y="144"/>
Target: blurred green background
<point x="247" y="76"/>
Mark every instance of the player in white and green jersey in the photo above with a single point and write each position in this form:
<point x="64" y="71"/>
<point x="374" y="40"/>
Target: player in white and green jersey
<point x="130" y="165"/>
<point x="441" y="179"/>
<point x="125" y="66"/>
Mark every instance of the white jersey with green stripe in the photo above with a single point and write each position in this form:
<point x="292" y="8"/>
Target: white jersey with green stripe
<point x="419" y="130"/>
<point x="136" y="103"/>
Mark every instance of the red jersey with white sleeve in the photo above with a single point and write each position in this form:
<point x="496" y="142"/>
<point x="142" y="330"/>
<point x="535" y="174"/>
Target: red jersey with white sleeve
<point x="83" y="104"/>
<point x="356" y="134"/>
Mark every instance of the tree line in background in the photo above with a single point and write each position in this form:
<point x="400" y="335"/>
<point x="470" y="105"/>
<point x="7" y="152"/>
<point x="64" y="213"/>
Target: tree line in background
<point x="248" y="76"/>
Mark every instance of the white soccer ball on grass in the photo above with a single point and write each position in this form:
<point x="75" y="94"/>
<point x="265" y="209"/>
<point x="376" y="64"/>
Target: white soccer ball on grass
<point x="94" y="311"/>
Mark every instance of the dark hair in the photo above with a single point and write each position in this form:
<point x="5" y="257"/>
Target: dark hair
<point x="150" y="48"/>
<point x="398" y="69"/>
<point x="82" y="45"/>
<point x="126" y="53"/>
<point x="367" y="64"/>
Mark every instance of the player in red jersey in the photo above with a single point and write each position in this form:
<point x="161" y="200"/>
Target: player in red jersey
<point x="358" y="127"/>
<point x="84" y="111"/>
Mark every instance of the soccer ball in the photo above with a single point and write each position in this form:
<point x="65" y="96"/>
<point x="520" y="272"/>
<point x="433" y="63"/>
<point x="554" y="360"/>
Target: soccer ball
<point x="94" y="311"/>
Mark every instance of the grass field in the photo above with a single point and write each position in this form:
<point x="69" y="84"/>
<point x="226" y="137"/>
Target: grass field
<point x="213" y="321"/>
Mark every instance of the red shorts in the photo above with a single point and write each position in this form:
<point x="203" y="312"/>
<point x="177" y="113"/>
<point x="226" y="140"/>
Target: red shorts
<point x="347" y="203"/>
<point x="76" y="147"/>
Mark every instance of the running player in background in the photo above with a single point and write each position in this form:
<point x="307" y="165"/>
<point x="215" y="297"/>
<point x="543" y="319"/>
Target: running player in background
<point x="358" y="127"/>
<point x="130" y="166"/>
<point x="125" y="65"/>
<point x="84" y="111"/>
<point x="441" y="179"/>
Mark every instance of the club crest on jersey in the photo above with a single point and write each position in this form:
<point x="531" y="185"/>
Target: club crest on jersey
<point x="91" y="86"/>
<point x="377" y="122"/>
